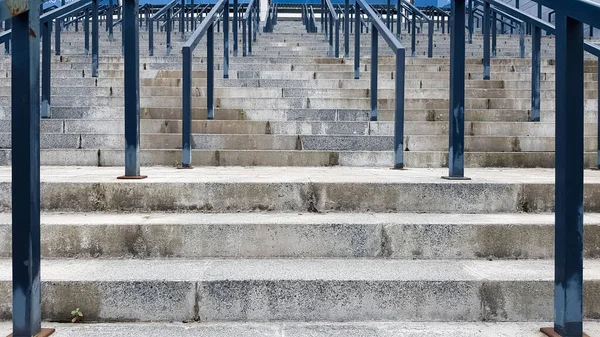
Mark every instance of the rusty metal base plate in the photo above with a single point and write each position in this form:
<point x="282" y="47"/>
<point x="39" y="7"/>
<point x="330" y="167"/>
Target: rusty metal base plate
<point x="44" y="333"/>
<point x="455" y="178"/>
<point x="132" y="177"/>
<point x="551" y="333"/>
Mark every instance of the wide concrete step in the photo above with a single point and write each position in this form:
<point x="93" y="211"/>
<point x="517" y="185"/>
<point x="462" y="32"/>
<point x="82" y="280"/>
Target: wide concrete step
<point x="298" y="329"/>
<point x="304" y="235"/>
<point x="338" y="290"/>
<point x="300" y="189"/>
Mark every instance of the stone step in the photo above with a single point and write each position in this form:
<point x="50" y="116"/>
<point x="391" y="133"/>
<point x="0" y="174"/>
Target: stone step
<point x="304" y="189"/>
<point x="300" y="235"/>
<point x="301" y="290"/>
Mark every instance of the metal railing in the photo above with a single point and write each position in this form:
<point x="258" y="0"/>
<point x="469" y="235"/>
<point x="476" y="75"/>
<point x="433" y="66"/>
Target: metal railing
<point x="441" y="17"/>
<point x="271" y="19"/>
<point x="308" y="19"/>
<point x="206" y="28"/>
<point x="166" y="12"/>
<point x="378" y="27"/>
<point x="415" y="12"/>
<point x="334" y="24"/>
<point x="250" y="18"/>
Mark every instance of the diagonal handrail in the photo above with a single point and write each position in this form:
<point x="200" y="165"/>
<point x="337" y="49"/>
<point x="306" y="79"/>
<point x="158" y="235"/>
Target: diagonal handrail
<point x="377" y="28"/>
<point x="205" y="28"/>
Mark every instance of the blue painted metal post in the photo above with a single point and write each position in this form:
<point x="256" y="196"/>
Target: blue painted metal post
<point x="522" y="40"/>
<point x="346" y="28"/>
<point x="494" y="34"/>
<point x="169" y="26"/>
<point x="536" y="64"/>
<point x="456" y="156"/>
<point x="193" y="15"/>
<point x="374" y="67"/>
<point x="95" y="38"/>
<point x="235" y="27"/>
<point x="539" y="11"/>
<point x="25" y="97"/>
<point x="57" y="28"/>
<point x="109" y="19"/>
<point x="186" y="123"/>
<point x="331" y="19"/>
<point x="471" y="21"/>
<point x="46" y="68"/>
<point x="598" y="113"/>
<point x="210" y="72"/>
<point x="486" y="40"/>
<point x="568" y="282"/>
<point x="356" y="41"/>
<point x="414" y="35"/>
<point x="7" y="45"/>
<point x="251" y="18"/>
<point x="131" y="52"/>
<point x="150" y="28"/>
<point x="86" y="29"/>
<point x="399" y="110"/>
<point x="388" y="13"/>
<point x="430" y="39"/>
<point x="182" y="20"/>
<point x="337" y="37"/>
<point x="226" y="40"/>
<point x="399" y="22"/>
<point x="323" y="22"/>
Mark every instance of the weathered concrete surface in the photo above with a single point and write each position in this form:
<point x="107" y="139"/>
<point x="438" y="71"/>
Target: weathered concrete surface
<point x="301" y="235"/>
<point x="301" y="290"/>
<point x="290" y="329"/>
<point x="227" y="189"/>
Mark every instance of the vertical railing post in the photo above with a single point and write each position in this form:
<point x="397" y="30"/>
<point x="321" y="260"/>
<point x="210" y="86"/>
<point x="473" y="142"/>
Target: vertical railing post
<point x="356" y="40"/>
<point x="168" y="27"/>
<point x="494" y="33"/>
<point x="414" y="35"/>
<point x="250" y="23"/>
<point x="374" y="67"/>
<point x="388" y="13"/>
<point x="471" y="21"/>
<point x="95" y="38"/>
<point x="244" y="34"/>
<point x="331" y="19"/>
<point x="150" y="28"/>
<point x="226" y="40"/>
<point x="346" y="28"/>
<point x="399" y="110"/>
<point x="456" y="156"/>
<point x="25" y="183"/>
<point x="568" y="283"/>
<point x="337" y="37"/>
<point x="86" y="29"/>
<point x="210" y="72"/>
<point x="235" y="27"/>
<point x="182" y="19"/>
<point x="486" y="40"/>
<point x="8" y="44"/>
<point x="57" y="29"/>
<point x="131" y="52"/>
<point x="186" y="122"/>
<point x="598" y="138"/>
<point x="46" y="68"/>
<point x="109" y="20"/>
<point x="536" y="60"/>
<point x="323" y="23"/>
<point x="430" y="39"/>
<point x="522" y="40"/>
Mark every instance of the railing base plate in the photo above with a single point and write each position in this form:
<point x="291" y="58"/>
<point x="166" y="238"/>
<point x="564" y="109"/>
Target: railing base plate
<point x="455" y="178"/>
<point x="551" y="333"/>
<point x="44" y="333"/>
<point x="179" y="167"/>
<point x="132" y="177"/>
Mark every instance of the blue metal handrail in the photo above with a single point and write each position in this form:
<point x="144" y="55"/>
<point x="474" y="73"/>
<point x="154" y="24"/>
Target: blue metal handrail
<point x="250" y="17"/>
<point x="441" y="13"/>
<point x="206" y="27"/>
<point x="417" y="12"/>
<point x="334" y="23"/>
<point x="378" y="27"/>
<point x="271" y="19"/>
<point x="165" y="10"/>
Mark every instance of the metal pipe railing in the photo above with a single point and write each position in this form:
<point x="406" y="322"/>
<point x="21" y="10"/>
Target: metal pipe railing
<point x="164" y="11"/>
<point x="417" y="12"/>
<point x="377" y="28"/>
<point x="334" y="23"/>
<point x="250" y="17"/>
<point x="206" y="28"/>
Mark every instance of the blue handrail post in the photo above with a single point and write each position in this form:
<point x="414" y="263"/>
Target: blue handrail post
<point x="456" y="156"/>
<point x="414" y="35"/>
<point x="323" y="23"/>
<point x="25" y="139"/>
<point x="250" y="23"/>
<point x="182" y="20"/>
<point x="387" y="14"/>
<point x="471" y="17"/>
<point x="399" y="110"/>
<point x="186" y="131"/>
<point x="356" y="41"/>
<point x="522" y="40"/>
<point x="95" y="38"/>
<point x="46" y="68"/>
<point x="57" y="28"/>
<point x="8" y="44"/>
<point x="235" y="28"/>
<point x="430" y="39"/>
<point x="486" y="40"/>
<point x="494" y="34"/>
<point x="109" y="19"/>
<point x="226" y="40"/>
<point x="346" y="28"/>
<point x="598" y="167"/>
<point x="568" y="283"/>
<point x="210" y="73"/>
<point x="86" y="29"/>
<point x="168" y="26"/>
<point x="131" y="51"/>
<point x="399" y="22"/>
<point x="536" y="60"/>
<point x="374" y="67"/>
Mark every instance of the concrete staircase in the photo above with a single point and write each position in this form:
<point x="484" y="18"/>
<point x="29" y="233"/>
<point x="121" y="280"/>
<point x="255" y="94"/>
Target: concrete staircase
<point x="274" y="249"/>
